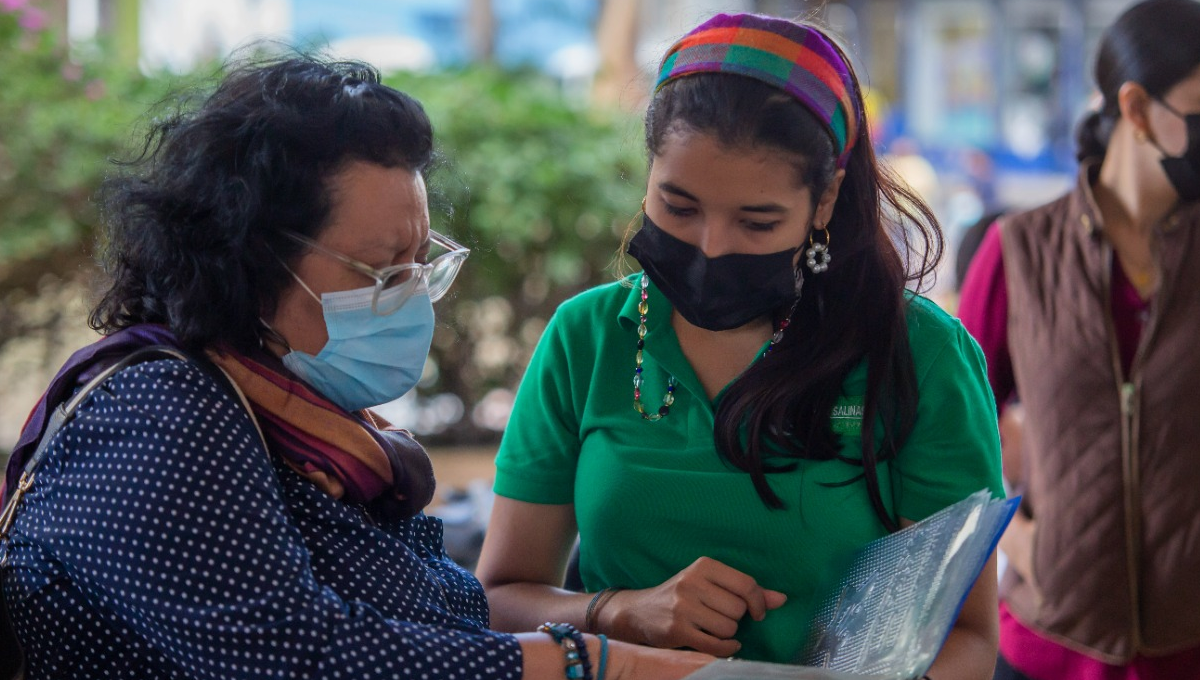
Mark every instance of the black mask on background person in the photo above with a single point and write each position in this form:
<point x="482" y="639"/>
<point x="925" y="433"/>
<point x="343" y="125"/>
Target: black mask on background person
<point x="1184" y="171"/>
<point x="716" y="293"/>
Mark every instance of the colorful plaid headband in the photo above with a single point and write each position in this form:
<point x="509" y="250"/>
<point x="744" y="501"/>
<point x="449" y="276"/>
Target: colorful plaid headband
<point x="797" y="59"/>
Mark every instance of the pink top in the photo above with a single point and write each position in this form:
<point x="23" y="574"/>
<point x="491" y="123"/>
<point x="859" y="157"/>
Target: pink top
<point x="983" y="309"/>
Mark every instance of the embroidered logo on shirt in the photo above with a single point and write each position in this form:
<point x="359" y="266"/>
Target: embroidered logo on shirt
<point x="847" y="416"/>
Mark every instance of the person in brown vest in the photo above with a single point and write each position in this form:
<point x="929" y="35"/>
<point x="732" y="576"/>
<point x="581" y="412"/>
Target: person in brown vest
<point x="1088" y="310"/>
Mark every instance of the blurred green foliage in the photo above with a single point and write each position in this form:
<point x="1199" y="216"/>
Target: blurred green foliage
<point x="61" y="116"/>
<point x="541" y="187"/>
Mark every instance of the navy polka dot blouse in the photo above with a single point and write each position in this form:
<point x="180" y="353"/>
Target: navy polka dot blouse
<point x="161" y="541"/>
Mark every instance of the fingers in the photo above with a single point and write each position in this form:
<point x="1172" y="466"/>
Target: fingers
<point x="774" y="599"/>
<point x="713" y="622"/>
<point x="699" y="608"/>
<point x="1017" y="544"/>
<point x="753" y="598"/>
<point x="683" y="621"/>
<point x="723" y="602"/>
<point x="734" y="606"/>
<point x="705" y="631"/>
<point x="710" y="644"/>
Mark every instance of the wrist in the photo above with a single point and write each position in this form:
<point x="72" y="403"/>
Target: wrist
<point x="615" y="619"/>
<point x="577" y="658"/>
<point x="622" y="660"/>
<point x="591" y="619"/>
<point x="599" y="655"/>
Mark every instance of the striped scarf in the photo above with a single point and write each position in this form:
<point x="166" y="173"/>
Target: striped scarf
<point x="357" y="457"/>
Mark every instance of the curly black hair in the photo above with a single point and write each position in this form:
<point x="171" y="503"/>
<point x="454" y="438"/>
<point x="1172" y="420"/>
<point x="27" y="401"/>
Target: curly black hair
<point x="194" y="227"/>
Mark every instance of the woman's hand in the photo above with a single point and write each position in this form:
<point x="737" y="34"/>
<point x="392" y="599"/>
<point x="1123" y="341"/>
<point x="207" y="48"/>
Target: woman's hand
<point x="1017" y="544"/>
<point x="698" y="608"/>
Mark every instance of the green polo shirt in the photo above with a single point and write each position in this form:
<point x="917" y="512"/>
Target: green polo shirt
<point x="652" y="497"/>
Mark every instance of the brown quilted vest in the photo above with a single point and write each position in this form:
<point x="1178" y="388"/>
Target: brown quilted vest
<point x="1113" y="462"/>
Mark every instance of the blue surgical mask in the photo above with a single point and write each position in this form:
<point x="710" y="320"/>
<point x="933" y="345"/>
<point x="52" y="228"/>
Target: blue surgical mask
<point x="369" y="359"/>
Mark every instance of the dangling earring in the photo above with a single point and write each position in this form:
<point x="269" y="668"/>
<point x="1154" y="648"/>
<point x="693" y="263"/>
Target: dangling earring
<point x="818" y="253"/>
<point x="643" y="205"/>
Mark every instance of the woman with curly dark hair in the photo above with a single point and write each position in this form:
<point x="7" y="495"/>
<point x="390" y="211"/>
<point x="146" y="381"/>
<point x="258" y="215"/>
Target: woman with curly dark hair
<point x="219" y="502"/>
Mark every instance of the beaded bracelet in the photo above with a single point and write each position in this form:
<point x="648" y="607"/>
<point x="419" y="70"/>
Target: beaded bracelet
<point x="578" y="667"/>
<point x="593" y="609"/>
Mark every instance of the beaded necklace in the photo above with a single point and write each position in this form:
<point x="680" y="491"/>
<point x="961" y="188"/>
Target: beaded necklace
<point x="669" y="397"/>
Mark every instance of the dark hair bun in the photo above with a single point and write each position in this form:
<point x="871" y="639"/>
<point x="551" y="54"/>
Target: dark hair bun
<point x="1092" y="135"/>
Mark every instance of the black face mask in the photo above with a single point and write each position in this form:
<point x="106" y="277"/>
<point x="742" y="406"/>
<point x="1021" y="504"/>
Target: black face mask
<point x="1184" y="171"/>
<point x="715" y="293"/>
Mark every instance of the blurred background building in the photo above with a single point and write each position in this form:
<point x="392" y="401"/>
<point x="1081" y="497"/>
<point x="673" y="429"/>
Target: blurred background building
<point x="986" y="92"/>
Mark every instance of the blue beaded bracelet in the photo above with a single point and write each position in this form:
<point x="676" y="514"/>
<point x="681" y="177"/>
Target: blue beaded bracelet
<point x="578" y="666"/>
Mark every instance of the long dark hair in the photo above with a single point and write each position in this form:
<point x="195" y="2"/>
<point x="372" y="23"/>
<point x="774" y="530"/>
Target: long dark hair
<point x="194" y="227"/>
<point x="1155" y="44"/>
<point x="780" y="407"/>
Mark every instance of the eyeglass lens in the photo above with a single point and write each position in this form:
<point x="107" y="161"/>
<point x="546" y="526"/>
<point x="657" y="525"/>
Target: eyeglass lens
<point x="437" y="276"/>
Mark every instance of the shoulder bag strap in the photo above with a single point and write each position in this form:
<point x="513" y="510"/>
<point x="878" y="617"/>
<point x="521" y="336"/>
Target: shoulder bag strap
<point x="11" y="658"/>
<point x="12" y="665"/>
<point x="66" y="412"/>
<point x="63" y="414"/>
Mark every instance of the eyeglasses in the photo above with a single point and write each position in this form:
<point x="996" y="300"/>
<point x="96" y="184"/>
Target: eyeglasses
<point x="396" y="284"/>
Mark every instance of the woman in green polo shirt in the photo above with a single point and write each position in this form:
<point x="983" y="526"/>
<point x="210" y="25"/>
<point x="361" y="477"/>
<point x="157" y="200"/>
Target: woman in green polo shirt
<point x="699" y="426"/>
